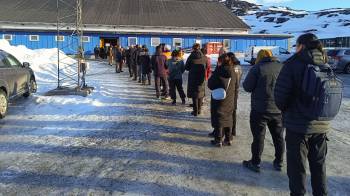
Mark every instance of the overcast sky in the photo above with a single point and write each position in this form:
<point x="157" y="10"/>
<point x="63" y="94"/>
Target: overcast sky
<point x="310" y="5"/>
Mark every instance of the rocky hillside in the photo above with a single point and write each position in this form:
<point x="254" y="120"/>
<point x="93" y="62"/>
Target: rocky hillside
<point x="284" y="20"/>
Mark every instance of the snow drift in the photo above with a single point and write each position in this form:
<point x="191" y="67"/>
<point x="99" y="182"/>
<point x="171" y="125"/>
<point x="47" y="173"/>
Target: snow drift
<point x="43" y="62"/>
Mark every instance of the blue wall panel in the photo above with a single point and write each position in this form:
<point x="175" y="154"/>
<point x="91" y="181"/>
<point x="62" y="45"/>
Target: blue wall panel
<point x="47" y="40"/>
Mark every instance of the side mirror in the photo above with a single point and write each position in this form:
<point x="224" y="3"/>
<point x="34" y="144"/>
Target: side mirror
<point x="26" y="64"/>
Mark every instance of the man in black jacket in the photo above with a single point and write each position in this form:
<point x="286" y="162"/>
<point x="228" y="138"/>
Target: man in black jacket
<point x="260" y="81"/>
<point x="305" y="139"/>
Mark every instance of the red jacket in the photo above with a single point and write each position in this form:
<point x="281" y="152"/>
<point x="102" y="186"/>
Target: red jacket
<point x="208" y="70"/>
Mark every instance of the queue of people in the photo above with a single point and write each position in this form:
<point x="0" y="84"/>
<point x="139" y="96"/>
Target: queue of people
<point x="278" y="101"/>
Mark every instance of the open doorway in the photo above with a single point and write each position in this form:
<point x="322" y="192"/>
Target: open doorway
<point x="105" y="43"/>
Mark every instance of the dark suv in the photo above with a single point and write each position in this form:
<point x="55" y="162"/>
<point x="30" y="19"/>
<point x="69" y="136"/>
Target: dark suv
<point x="339" y="59"/>
<point x="16" y="79"/>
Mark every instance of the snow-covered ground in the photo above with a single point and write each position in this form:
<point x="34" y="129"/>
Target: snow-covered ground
<point x="122" y="141"/>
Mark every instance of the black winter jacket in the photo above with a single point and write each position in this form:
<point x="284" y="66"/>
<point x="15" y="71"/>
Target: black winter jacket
<point x="196" y="65"/>
<point x="145" y="62"/>
<point x="222" y="110"/>
<point x="287" y="91"/>
<point x="261" y="81"/>
<point x="132" y="53"/>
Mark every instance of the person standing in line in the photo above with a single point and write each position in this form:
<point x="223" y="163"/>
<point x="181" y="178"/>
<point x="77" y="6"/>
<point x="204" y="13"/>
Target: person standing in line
<point x="139" y="68"/>
<point x="196" y="66"/>
<point x="128" y="59"/>
<point x="260" y="82"/>
<point x="96" y="52"/>
<point x="110" y="55"/>
<point x="306" y="137"/>
<point x="239" y="73"/>
<point x="208" y="65"/>
<point x="133" y="54"/>
<point x="224" y="77"/>
<point x="145" y="62"/>
<point x="176" y="68"/>
<point x="118" y="59"/>
<point x="102" y="53"/>
<point x="159" y="67"/>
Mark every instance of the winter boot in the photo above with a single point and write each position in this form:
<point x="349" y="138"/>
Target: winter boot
<point x="216" y="143"/>
<point x="277" y="166"/>
<point x="251" y="166"/>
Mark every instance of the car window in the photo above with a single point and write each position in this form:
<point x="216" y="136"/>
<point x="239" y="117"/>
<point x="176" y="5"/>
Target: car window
<point x="3" y="62"/>
<point x="284" y="51"/>
<point x="332" y="52"/>
<point x="347" y="52"/>
<point x="12" y="61"/>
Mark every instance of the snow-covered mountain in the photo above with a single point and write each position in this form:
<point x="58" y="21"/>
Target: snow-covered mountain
<point x="284" y="20"/>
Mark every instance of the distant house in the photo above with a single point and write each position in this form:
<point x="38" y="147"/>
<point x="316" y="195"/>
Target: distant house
<point x="178" y="23"/>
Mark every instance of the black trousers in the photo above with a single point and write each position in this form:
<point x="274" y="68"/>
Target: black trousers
<point x="197" y="104"/>
<point x="234" y="124"/>
<point x="311" y="147"/>
<point x="258" y="123"/>
<point x="176" y="84"/>
<point x="134" y="71"/>
<point x="157" y="81"/>
<point x="129" y="68"/>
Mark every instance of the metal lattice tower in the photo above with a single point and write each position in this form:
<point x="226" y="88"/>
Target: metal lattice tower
<point x="70" y="24"/>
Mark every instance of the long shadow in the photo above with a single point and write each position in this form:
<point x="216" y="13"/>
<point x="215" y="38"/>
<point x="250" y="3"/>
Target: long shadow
<point x="122" y="130"/>
<point x="92" y="182"/>
<point x="132" y="111"/>
<point x="208" y="169"/>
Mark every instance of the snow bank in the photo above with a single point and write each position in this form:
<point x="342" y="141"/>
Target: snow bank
<point x="42" y="61"/>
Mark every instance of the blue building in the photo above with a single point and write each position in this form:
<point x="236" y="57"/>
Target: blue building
<point x="178" y="23"/>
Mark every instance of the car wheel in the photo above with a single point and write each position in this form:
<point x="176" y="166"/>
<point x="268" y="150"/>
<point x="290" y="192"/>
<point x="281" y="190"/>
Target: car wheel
<point x="3" y="104"/>
<point x="347" y="69"/>
<point x="32" y="87"/>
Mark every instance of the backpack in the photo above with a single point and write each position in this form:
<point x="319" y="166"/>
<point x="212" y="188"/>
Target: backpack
<point x="321" y="93"/>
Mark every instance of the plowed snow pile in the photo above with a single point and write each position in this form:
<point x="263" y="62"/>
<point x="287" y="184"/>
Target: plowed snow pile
<point x="42" y="61"/>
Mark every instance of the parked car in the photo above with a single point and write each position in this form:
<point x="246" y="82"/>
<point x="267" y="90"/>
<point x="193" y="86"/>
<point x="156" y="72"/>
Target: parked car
<point x="339" y="59"/>
<point x="280" y="53"/>
<point x="16" y="79"/>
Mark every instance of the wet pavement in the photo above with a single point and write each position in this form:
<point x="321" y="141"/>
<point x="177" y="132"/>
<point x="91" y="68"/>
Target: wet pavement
<point x="121" y="140"/>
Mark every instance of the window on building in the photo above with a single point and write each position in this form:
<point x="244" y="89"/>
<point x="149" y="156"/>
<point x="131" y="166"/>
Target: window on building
<point x="227" y="43"/>
<point x="7" y="37"/>
<point x="132" y="41"/>
<point x="199" y="41"/>
<point x="59" y="38"/>
<point x="34" y="38"/>
<point x="177" y="42"/>
<point x="155" y="41"/>
<point x="86" y="39"/>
